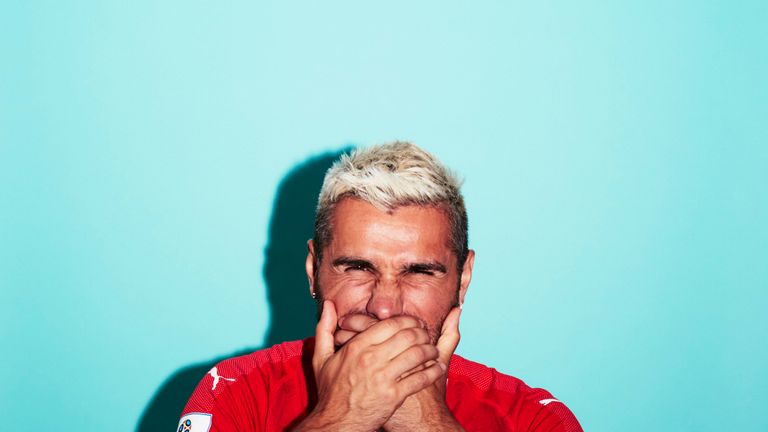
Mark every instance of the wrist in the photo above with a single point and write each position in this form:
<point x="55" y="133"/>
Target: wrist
<point x="441" y="419"/>
<point x="314" y="423"/>
<point x="320" y="420"/>
<point x="425" y="411"/>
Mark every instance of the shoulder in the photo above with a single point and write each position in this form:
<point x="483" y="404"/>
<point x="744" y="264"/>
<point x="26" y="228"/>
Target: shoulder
<point x="508" y="398"/>
<point x="275" y="355"/>
<point x="245" y="371"/>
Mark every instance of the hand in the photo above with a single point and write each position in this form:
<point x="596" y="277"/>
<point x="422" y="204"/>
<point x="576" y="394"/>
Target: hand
<point x="360" y="386"/>
<point x="425" y="410"/>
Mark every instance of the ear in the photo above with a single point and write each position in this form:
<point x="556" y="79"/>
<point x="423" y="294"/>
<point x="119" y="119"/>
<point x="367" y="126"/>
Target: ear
<point x="466" y="275"/>
<point x="309" y="266"/>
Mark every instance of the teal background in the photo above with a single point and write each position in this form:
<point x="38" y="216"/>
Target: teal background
<point x="615" y="161"/>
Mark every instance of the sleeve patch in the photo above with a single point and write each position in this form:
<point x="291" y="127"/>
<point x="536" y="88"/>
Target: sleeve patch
<point x="195" y="422"/>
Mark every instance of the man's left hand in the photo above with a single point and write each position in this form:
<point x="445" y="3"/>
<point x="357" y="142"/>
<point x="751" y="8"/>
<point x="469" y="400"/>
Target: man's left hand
<point x="425" y="410"/>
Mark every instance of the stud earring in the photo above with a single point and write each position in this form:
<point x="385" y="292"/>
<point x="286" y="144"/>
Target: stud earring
<point x="314" y="295"/>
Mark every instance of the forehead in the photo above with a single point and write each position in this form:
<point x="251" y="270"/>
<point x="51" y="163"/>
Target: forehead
<point x="359" y="228"/>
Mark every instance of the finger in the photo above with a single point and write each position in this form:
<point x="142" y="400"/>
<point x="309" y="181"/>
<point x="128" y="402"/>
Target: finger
<point x="418" y="381"/>
<point x="449" y="336"/>
<point x="384" y="329"/>
<point x="402" y="340"/>
<point x="418" y="368"/>
<point x="410" y="359"/>
<point x="324" y="347"/>
<point x="343" y="336"/>
<point x="357" y="322"/>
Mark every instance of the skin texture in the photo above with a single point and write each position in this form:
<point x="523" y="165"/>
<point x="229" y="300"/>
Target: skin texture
<point x="389" y="321"/>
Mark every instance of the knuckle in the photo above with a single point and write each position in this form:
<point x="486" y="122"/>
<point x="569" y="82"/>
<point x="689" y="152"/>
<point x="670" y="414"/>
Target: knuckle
<point x="389" y="394"/>
<point x="411" y="335"/>
<point x="409" y="321"/>
<point x="427" y="352"/>
<point x="366" y="359"/>
<point x="421" y="379"/>
<point x="366" y="321"/>
<point x="353" y="347"/>
<point x="377" y="379"/>
<point x="389" y="325"/>
<point x="386" y="326"/>
<point x="415" y="354"/>
<point x="433" y="351"/>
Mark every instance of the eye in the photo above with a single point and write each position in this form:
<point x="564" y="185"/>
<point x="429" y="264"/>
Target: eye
<point x="356" y="267"/>
<point x="424" y="272"/>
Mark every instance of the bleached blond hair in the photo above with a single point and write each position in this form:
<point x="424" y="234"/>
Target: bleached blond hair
<point x="389" y="176"/>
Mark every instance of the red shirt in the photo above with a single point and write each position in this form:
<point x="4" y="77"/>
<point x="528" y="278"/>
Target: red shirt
<point x="274" y="389"/>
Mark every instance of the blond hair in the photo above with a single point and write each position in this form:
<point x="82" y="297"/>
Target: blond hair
<point x="389" y="176"/>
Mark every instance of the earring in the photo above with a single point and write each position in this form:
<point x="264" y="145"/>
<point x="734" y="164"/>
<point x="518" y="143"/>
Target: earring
<point x="314" y="295"/>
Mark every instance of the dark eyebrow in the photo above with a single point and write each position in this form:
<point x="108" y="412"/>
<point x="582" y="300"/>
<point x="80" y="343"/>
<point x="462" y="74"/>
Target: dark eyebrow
<point x="353" y="262"/>
<point x="430" y="267"/>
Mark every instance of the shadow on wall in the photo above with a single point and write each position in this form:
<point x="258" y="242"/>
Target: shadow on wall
<point x="292" y="310"/>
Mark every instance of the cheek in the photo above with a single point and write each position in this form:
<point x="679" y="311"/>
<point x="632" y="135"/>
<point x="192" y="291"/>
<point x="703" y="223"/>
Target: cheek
<point x="428" y="297"/>
<point x="348" y="290"/>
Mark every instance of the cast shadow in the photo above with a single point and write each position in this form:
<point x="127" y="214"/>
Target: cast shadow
<point x="293" y="312"/>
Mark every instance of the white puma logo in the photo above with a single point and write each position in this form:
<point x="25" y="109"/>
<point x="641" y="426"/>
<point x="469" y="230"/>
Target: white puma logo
<point x="215" y="374"/>
<point x="546" y="402"/>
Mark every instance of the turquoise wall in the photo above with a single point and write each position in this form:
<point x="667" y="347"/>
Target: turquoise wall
<point x="158" y="162"/>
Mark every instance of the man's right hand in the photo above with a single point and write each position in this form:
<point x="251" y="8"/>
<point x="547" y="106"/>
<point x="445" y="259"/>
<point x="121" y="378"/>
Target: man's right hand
<point x="360" y="386"/>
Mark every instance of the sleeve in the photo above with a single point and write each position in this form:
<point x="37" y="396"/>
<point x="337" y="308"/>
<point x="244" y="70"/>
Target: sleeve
<point x="544" y="413"/>
<point x="215" y="406"/>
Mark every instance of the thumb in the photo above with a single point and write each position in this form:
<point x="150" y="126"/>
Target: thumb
<point x="449" y="336"/>
<point x="324" y="331"/>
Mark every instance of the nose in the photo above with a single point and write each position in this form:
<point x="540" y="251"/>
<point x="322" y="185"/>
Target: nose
<point x="386" y="300"/>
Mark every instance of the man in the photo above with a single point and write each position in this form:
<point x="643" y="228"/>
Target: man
<point x="389" y="266"/>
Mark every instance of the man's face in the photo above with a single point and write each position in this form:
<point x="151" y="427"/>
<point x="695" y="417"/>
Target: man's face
<point x="386" y="264"/>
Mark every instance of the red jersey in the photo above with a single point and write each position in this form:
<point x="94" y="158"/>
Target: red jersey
<point x="274" y="389"/>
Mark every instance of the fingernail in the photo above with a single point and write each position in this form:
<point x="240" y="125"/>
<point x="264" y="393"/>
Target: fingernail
<point x="443" y="366"/>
